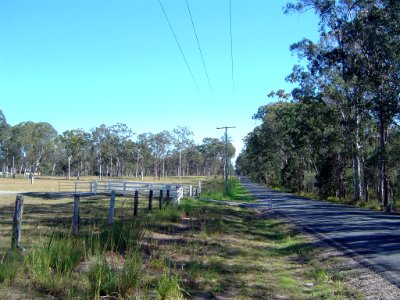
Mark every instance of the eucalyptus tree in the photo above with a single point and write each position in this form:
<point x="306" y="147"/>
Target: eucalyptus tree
<point x="128" y="156"/>
<point x="182" y="140"/>
<point x="378" y="32"/>
<point x="212" y="150"/>
<point x="75" y="142"/>
<point x="99" y="139"/>
<point x="144" y="157"/>
<point x="33" y="141"/>
<point x="4" y="141"/>
<point x="120" y="134"/>
<point x="357" y="62"/>
<point x="194" y="160"/>
<point x="159" y="144"/>
<point x="334" y="61"/>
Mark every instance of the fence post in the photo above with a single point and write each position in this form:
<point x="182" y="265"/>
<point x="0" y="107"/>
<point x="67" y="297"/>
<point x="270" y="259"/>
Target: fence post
<point x="76" y="218"/>
<point x="111" y="209"/>
<point x="199" y="188"/>
<point x="16" y="232"/>
<point x="168" y="196"/>
<point x="151" y="200"/>
<point x="95" y="187"/>
<point x="136" y="203"/>
<point x="161" y="199"/>
<point x="190" y="191"/>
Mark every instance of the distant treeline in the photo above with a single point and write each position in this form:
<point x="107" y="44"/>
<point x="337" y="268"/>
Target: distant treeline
<point x="35" y="148"/>
<point x="337" y="133"/>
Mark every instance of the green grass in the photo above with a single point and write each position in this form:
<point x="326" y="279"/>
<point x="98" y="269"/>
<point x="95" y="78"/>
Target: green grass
<point x="10" y="266"/>
<point x="200" y="249"/>
<point x="105" y="280"/>
<point x="169" y="213"/>
<point x="215" y="189"/>
<point x="168" y="287"/>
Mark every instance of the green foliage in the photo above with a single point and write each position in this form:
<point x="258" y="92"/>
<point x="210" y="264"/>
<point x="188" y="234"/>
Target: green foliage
<point x="168" y="286"/>
<point x="341" y="118"/>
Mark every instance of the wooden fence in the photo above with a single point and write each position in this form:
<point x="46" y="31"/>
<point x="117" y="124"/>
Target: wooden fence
<point x="121" y="187"/>
<point x="165" y="194"/>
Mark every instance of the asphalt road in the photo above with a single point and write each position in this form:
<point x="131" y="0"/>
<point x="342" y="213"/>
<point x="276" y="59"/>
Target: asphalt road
<point x="371" y="237"/>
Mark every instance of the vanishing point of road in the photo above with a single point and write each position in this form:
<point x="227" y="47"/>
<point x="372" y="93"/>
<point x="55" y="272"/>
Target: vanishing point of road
<point x="371" y="237"/>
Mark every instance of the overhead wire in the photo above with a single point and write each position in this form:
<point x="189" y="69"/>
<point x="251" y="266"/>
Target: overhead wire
<point x="202" y="59"/>
<point x="180" y="49"/>
<point x="231" y="38"/>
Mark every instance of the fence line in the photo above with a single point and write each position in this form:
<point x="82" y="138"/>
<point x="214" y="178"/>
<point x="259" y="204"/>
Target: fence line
<point x="121" y="187"/>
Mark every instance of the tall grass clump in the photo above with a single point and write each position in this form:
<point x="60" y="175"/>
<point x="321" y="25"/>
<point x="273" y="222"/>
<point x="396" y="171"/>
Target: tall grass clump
<point x="51" y="265"/>
<point x="168" y="287"/>
<point x="169" y="213"/>
<point x="122" y="237"/>
<point x="102" y="279"/>
<point x="108" y="280"/>
<point x="9" y="267"/>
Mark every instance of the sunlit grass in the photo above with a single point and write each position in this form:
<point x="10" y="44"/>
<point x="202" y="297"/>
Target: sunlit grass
<point x="215" y="189"/>
<point x="196" y="248"/>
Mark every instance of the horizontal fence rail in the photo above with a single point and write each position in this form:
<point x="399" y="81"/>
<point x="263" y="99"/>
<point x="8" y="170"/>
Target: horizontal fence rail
<point x="176" y="191"/>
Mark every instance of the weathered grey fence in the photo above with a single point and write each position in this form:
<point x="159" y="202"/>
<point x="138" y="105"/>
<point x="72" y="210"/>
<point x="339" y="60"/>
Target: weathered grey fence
<point x="176" y="191"/>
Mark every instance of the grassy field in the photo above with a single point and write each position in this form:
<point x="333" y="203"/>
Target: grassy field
<point x="197" y="250"/>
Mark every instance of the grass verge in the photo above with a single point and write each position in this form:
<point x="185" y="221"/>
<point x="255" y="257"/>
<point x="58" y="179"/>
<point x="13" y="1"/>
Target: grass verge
<point x="215" y="189"/>
<point x="197" y="250"/>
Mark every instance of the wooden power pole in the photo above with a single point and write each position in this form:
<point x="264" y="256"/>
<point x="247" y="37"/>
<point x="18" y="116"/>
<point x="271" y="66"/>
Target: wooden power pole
<point x="226" y="156"/>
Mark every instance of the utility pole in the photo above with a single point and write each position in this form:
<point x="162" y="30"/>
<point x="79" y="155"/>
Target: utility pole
<point x="226" y="156"/>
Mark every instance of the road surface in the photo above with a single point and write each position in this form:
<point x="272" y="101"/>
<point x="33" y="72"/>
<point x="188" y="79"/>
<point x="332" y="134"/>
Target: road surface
<point x="371" y="237"/>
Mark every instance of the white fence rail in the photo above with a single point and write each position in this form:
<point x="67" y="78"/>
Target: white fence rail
<point x="174" y="191"/>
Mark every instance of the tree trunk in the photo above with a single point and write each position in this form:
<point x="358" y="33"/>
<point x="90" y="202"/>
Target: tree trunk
<point x="384" y="181"/>
<point x="69" y="166"/>
<point x="180" y="164"/>
<point x="137" y="165"/>
<point x="163" y="168"/>
<point x="357" y="161"/>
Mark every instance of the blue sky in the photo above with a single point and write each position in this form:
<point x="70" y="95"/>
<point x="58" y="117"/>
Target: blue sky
<point x="78" y="64"/>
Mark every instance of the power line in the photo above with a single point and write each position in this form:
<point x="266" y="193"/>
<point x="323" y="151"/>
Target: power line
<point x="198" y="46"/>
<point x="231" y="36"/>
<point x="180" y="49"/>
<point x="202" y="57"/>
